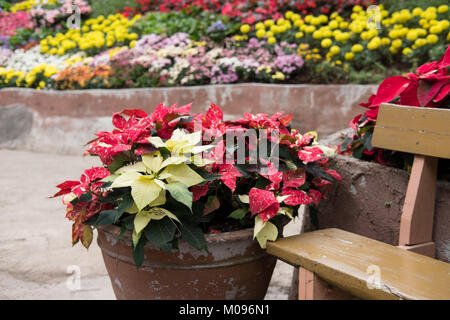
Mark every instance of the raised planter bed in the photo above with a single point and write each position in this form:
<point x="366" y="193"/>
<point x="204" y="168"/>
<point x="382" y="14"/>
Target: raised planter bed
<point x="62" y="121"/>
<point x="369" y="201"/>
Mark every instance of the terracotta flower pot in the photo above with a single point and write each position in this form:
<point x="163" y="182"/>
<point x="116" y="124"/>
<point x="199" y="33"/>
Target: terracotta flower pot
<point x="235" y="268"/>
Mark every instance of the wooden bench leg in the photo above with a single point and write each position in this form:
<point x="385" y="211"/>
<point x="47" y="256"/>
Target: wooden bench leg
<point x="311" y="287"/>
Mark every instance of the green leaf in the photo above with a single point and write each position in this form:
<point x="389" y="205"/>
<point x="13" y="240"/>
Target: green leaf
<point x="138" y="252"/>
<point x="193" y="235"/>
<point x="126" y="203"/>
<point x="181" y="193"/>
<point x="367" y="141"/>
<point x="346" y="143"/>
<point x="161" y="233"/>
<point x="118" y="162"/>
<point x="208" y="176"/>
<point x="239" y="213"/>
<point x="359" y="152"/>
<point x="108" y="217"/>
<point x="86" y="197"/>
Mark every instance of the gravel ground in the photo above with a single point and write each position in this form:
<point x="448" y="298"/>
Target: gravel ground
<point x="35" y="238"/>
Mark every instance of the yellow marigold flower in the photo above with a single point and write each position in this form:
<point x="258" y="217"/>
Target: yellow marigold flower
<point x="421" y="32"/>
<point x="373" y="45"/>
<point x="338" y="62"/>
<point x="245" y="28"/>
<point x="417" y="12"/>
<point x="343" y="25"/>
<point x="444" y="24"/>
<point x="299" y="35"/>
<point x="278" y="76"/>
<point x="259" y="25"/>
<point x="349" y="56"/>
<point x="385" y="41"/>
<point x="323" y="18"/>
<point x="412" y="35"/>
<point x="298" y="23"/>
<point x="397" y="43"/>
<point x="333" y="24"/>
<point x="334" y="50"/>
<point x="310" y="29"/>
<point x="308" y="18"/>
<point x="429" y="15"/>
<point x="271" y="40"/>
<point x="366" y="35"/>
<point x="289" y="14"/>
<point x="357" y="48"/>
<point x="317" y="34"/>
<point x="132" y="43"/>
<point x="260" y="33"/>
<point x="296" y="17"/>
<point x="448" y="37"/>
<point x="282" y="21"/>
<point x="357" y="8"/>
<point x="268" y="23"/>
<point x="420" y="42"/>
<point x="436" y="29"/>
<point x="432" y="38"/>
<point x="269" y="34"/>
<point x="315" y="21"/>
<point x="406" y="51"/>
<point x="442" y="9"/>
<point x="325" y="43"/>
<point x="393" y="50"/>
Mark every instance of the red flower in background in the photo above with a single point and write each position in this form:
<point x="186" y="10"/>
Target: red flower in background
<point x="428" y="87"/>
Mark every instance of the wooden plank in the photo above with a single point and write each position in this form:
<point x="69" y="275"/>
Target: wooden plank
<point x="416" y="224"/>
<point x="424" y="131"/>
<point x="345" y="259"/>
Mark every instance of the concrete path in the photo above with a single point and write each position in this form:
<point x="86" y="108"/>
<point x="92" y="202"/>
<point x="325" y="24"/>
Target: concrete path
<point x="37" y="257"/>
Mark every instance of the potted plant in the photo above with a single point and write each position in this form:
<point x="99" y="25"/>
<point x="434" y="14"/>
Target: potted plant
<point x="181" y="197"/>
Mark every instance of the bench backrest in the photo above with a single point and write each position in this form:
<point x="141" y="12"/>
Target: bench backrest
<point x="424" y="131"/>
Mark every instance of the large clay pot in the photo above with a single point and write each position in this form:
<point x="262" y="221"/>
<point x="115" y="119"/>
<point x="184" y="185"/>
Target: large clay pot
<point x="235" y="268"/>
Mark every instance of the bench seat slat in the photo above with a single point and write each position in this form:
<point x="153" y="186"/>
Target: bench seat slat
<point x="342" y="258"/>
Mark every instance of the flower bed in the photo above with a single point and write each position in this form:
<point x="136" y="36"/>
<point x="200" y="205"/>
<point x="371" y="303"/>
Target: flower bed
<point x="336" y="47"/>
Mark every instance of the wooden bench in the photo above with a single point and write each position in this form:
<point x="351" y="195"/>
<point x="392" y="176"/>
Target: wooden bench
<point x="335" y="264"/>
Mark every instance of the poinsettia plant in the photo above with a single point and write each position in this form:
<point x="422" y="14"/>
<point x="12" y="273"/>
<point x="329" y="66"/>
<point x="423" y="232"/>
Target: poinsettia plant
<point x="428" y="87"/>
<point x="173" y="175"/>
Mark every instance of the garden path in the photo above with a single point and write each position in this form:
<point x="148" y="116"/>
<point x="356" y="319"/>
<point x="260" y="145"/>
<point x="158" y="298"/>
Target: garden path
<point x="35" y="238"/>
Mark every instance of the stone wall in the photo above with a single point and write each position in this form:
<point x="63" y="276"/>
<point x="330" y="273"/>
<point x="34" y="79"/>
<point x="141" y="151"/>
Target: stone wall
<point x="62" y="121"/>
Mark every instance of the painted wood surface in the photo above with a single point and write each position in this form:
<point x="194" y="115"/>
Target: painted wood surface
<point x="424" y="131"/>
<point x="348" y="261"/>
